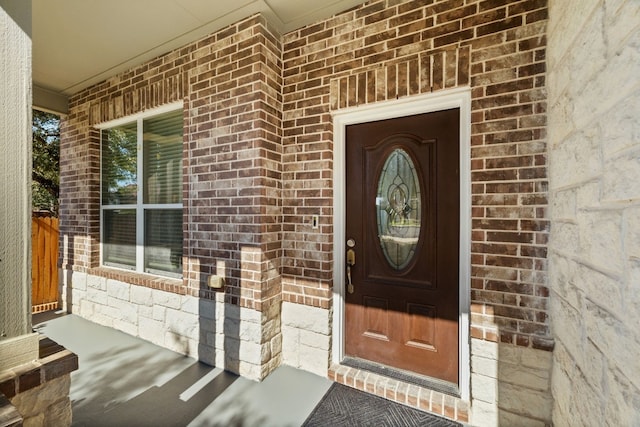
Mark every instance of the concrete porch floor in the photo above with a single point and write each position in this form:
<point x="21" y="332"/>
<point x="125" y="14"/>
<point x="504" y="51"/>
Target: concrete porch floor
<point x="125" y="381"/>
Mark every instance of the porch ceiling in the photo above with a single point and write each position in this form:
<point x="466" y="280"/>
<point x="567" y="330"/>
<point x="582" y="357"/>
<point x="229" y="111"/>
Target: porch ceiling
<point x="77" y="43"/>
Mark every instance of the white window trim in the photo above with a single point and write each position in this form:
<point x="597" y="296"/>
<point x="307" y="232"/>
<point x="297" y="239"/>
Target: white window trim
<point x="139" y="207"/>
<point x="446" y="99"/>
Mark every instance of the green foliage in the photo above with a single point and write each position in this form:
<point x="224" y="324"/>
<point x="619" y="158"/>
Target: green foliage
<point x="119" y="165"/>
<point x="46" y="161"/>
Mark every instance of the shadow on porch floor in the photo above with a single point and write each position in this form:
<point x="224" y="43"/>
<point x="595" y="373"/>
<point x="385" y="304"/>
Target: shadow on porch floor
<point x="123" y="380"/>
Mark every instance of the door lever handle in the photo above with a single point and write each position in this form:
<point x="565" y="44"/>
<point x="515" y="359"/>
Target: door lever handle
<point x="351" y="261"/>
<point x="350" y="288"/>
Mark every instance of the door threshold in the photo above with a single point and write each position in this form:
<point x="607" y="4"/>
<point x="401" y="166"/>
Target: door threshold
<point x="404" y="376"/>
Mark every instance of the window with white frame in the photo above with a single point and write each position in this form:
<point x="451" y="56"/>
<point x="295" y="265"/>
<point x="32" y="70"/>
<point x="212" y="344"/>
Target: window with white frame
<point x="141" y="194"/>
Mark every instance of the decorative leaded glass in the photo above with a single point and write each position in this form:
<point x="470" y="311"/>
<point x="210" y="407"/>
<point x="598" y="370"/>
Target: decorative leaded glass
<point x="398" y="209"/>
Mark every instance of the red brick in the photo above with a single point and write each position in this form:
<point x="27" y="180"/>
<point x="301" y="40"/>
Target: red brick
<point x="498" y="26"/>
<point x="253" y="93"/>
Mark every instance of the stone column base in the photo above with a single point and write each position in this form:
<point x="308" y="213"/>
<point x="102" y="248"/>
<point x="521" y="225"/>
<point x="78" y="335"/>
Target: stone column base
<point x="39" y="390"/>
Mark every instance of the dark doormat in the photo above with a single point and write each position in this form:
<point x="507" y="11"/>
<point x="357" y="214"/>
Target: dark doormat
<point x="346" y="406"/>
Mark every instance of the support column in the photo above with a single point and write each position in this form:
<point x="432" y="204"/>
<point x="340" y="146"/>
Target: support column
<point x="18" y="343"/>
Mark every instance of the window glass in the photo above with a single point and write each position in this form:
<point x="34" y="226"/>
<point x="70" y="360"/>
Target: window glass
<point x="143" y="234"/>
<point x="398" y="209"/>
<point x="163" y="159"/>
<point x="163" y="240"/>
<point x="119" y="165"/>
<point x="119" y="238"/>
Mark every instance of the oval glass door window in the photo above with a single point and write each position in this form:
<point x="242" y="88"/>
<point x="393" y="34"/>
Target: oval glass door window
<point x="398" y="209"/>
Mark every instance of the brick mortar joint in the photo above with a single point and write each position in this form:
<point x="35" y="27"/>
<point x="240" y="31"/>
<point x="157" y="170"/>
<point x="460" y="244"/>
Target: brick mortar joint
<point x="535" y="342"/>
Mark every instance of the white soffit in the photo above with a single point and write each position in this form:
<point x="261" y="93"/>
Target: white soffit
<point x="77" y="43"/>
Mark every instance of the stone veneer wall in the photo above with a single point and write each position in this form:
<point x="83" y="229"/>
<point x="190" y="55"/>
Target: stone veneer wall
<point x="39" y="390"/>
<point x="258" y="165"/>
<point x="215" y="332"/>
<point x="594" y="171"/>
<point x="47" y="404"/>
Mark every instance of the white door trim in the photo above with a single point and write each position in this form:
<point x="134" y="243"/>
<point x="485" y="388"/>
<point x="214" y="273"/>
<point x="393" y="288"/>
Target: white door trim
<point x="455" y="98"/>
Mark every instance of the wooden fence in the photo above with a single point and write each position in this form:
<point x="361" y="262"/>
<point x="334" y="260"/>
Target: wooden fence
<point x="45" y="232"/>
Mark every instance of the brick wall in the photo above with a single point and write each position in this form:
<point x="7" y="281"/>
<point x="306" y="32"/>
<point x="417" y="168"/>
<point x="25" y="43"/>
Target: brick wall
<point x="594" y="250"/>
<point x="229" y="84"/>
<point x="385" y="50"/>
<point x="245" y="191"/>
<point x="258" y="165"/>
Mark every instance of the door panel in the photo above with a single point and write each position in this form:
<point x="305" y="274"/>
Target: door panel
<point x="420" y="326"/>
<point x="403" y="213"/>
<point x="377" y="318"/>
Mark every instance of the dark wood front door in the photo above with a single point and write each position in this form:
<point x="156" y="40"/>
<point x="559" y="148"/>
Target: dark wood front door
<point x="402" y="223"/>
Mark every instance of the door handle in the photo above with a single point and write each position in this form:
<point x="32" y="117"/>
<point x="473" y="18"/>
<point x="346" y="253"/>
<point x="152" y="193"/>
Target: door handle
<point x="351" y="257"/>
<point x="351" y="261"/>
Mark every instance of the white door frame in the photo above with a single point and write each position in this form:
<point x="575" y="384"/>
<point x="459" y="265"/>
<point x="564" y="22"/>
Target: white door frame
<point x="446" y="99"/>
